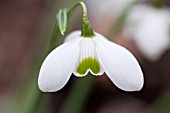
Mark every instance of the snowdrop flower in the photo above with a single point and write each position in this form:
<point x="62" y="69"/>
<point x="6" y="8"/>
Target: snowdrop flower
<point x="149" y="28"/>
<point x="86" y="51"/>
<point x="81" y="55"/>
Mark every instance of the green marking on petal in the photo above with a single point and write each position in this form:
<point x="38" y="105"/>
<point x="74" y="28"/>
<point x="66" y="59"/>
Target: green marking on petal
<point x="88" y="63"/>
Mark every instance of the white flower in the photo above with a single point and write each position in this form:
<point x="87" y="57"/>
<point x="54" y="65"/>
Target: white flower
<point x="149" y="28"/>
<point x="79" y="55"/>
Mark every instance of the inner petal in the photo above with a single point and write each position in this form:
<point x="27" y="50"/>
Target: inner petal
<point x="90" y="64"/>
<point x="88" y="61"/>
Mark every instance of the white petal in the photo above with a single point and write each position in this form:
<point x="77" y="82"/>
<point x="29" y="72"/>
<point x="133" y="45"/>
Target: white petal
<point x="88" y="61"/>
<point x="58" y="67"/>
<point x="72" y="35"/>
<point x="120" y="65"/>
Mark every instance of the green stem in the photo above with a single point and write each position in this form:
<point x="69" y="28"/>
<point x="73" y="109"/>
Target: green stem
<point x="86" y="30"/>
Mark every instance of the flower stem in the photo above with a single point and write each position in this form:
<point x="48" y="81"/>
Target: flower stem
<point x="86" y="29"/>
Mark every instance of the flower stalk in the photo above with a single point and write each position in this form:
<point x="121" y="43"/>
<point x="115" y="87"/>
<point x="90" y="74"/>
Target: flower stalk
<point x="86" y="29"/>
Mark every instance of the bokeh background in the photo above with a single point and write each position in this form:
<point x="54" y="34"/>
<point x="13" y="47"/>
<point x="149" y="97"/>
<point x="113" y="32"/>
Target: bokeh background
<point x="25" y="30"/>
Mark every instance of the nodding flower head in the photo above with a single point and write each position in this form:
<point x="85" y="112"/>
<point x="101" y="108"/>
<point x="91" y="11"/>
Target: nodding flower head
<point x="81" y="55"/>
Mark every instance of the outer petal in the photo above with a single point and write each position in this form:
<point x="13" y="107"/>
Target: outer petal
<point x="73" y="35"/>
<point x="119" y="64"/>
<point x="58" y="67"/>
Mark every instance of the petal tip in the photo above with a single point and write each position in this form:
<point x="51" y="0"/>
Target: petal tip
<point x="45" y="88"/>
<point x="135" y="85"/>
<point x="47" y="85"/>
<point x="42" y="86"/>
